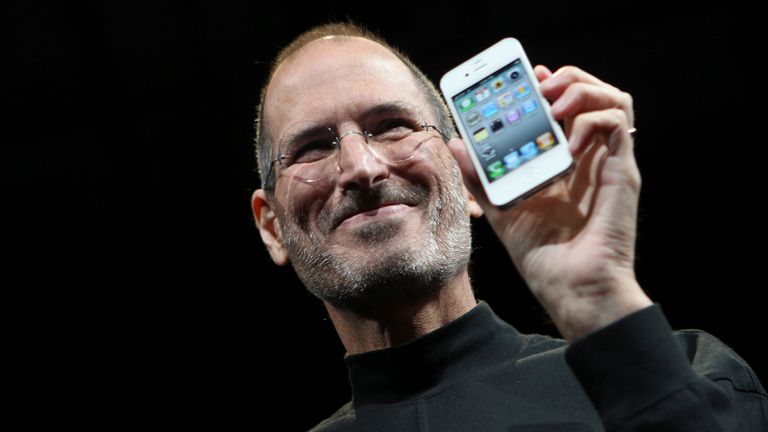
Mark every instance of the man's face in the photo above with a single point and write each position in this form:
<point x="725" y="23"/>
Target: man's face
<point x="371" y="230"/>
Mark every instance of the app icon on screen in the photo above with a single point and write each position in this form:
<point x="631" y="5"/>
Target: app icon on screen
<point x="513" y="116"/>
<point x="482" y="94"/>
<point x="530" y="107"/>
<point x="522" y="91"/>
<point x="545" y="141"/>
<point x="466" y="104"/>
<point x="529" y="150"/>
<point x="513" y="160"/>
<point x="498" y="84"/>
<point x="497" y="125"/>
<point x="515" y="74"/>
<point x="506" y="99"/>
<point x="473" y="118"/>
<point x="490" y="110"/>
<point x="480" y="135"/>
<point x="488" y="152"/>
<point x="495" y="170"/>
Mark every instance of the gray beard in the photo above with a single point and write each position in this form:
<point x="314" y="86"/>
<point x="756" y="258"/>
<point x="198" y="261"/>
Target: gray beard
<point x="418" y="270"/>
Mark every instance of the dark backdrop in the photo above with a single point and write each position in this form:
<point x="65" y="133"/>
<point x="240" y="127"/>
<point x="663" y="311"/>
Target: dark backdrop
<point x="139" y="294"/>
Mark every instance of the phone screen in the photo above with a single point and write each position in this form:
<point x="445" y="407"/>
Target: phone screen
<point x="505" y="121"/>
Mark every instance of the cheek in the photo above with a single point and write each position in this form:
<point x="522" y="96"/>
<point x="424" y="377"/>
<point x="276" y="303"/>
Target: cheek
<point x="301" y="207"/>
<point x="445" y="177"/>
<point x="434" y="166"/>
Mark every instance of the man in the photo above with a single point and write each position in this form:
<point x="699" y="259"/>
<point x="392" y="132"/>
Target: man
<point x="384" y="242"/>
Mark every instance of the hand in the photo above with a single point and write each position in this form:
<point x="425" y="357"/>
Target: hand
<point x="574" y="242"/>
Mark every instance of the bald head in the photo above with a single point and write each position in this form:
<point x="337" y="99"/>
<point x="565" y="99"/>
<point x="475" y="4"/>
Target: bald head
<point x="336" y="78"/>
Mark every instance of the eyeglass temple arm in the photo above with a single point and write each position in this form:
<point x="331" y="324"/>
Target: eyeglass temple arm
<point x="427" y="126"/>
<point x="266" y="184"/>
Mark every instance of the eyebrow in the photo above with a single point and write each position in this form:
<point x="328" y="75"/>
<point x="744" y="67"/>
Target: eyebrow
<point x="303" y="135"/>
<point x="390" y="108"/>
<point x="395" y="107"/>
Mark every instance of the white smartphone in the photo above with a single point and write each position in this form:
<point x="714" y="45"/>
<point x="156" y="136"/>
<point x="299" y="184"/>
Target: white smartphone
<point x="516" y="145"/>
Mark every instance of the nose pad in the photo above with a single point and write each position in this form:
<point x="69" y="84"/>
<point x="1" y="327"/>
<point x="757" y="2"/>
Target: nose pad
<point x="354" y="150"/>
<point x="357" y="162"/>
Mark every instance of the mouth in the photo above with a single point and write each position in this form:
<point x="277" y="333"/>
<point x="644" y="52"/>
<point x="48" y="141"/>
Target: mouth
<point x="385" y="201"/>
<point x="383" y="211"/>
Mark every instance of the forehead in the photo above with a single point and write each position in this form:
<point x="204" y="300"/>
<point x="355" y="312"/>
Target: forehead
<point x="336" y="79"/>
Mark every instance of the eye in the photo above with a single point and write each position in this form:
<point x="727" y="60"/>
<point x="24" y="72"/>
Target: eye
<point x="392" y="129"/>
<point x="313" y="151"/>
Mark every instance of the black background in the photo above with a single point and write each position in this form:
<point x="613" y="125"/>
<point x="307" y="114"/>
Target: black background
<point x="138" y="291"/>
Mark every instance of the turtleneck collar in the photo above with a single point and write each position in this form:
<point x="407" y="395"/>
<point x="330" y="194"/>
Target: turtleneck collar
<point x="466" y="345"/>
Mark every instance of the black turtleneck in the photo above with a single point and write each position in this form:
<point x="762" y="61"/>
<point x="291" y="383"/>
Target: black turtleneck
<point x="480" y="374"/>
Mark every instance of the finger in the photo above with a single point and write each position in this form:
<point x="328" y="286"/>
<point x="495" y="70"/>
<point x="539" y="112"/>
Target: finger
<point x="582" y="97"/>
<point x="568" y="124"/>
<point x="610" y="124"/>
<point x="610" y="163"/>
<point x="556" y="85"/>
<point x="542" y="73"/>
<point x="468" y="173"/>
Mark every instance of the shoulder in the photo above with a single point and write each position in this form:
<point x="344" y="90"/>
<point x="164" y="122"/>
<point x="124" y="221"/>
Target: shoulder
<point x="710" y="357"/>
<point x="537" y="345"/>
<point x="342" y="416"/>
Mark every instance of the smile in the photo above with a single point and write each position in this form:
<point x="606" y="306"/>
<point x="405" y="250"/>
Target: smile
<point x="376" y="214"/>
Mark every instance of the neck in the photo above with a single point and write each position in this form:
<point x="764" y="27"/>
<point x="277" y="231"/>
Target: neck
<point x="399" y="323"/>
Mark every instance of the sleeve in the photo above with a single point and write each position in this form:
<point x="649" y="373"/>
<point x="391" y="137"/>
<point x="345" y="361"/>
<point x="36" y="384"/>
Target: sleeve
<point x="641" y="376"/>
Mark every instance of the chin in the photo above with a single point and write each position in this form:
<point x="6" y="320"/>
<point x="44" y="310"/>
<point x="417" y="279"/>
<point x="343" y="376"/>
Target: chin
<point x="375" y="233"/>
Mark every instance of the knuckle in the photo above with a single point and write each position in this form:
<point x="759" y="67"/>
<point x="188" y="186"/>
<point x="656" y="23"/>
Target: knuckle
<point x="576" y="91"/>
<point x="569" y="69"/>
<point x="581" y="88"/>
<point x="634" y="179"/>
<point x="584" y="120"/>
<point x="628" y="99"/>
<point x="567" y="73"/>
<point x="620" y="117"/>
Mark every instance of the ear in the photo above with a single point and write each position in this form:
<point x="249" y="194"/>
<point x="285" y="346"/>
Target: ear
<point x="269" y="227"/>
<point x="473" y="206"/>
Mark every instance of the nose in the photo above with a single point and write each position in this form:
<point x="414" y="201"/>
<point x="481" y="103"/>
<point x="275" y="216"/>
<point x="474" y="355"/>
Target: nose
<point x="358" y="167"/>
